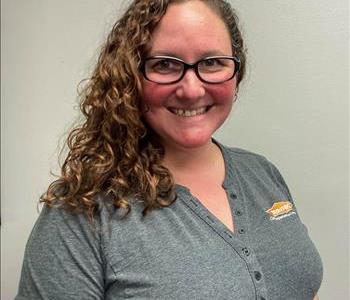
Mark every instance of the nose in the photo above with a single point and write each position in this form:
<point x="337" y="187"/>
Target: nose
<point x="190" y="87"/>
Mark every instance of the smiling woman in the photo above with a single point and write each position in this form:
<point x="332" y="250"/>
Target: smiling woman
<point x="172" y="108"/>
<point x="148" y="204"/>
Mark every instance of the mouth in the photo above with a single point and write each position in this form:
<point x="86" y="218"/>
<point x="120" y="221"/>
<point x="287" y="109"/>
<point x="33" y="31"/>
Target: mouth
<point x="189" y="112"/>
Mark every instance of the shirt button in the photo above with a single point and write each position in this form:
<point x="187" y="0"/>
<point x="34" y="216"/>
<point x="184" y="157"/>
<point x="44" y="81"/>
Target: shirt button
<point x="233" y="196"/>
<point x="246" y="251"/>
<point x="238" y="212"/>
<point x="241" y="231"/>
<point x="257" y="275"/>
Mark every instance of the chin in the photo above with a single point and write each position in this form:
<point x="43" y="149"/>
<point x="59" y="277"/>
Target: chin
<point x="195" y="142"/>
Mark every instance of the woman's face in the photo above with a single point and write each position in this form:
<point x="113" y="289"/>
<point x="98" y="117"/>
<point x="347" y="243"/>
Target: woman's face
<point x="190" y="31"/>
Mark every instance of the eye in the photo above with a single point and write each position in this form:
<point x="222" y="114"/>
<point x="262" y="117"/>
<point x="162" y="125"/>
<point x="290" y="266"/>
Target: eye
<point x="163" y="65"/>
<point x="215" y="64"/>
<point x="210" y="62"/>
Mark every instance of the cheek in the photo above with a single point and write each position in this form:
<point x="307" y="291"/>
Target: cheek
<point x="154" y="94"/>
<point x="224" y="92"/>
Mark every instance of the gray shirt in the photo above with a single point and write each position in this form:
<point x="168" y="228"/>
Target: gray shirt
<point x="182" y="251"/>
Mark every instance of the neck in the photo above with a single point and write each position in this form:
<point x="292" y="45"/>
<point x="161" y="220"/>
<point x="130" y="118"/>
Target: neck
<point x="192" y="160"/>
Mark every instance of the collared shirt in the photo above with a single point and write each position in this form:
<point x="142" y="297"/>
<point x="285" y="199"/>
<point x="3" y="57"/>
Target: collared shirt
<point x="182" y="251"/>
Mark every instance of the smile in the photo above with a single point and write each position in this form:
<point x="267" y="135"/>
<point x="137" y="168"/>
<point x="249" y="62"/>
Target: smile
<point x="189" y="112"/>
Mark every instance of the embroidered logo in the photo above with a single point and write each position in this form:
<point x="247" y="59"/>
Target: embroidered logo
<point x="280" y="210"/>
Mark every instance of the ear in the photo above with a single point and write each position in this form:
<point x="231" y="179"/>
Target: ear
<point x="235" y="95"/>
<point x="144" y="108"/>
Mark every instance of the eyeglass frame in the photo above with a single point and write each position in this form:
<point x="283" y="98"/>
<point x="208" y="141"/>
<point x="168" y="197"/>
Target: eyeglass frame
<point x="187" y="66"/>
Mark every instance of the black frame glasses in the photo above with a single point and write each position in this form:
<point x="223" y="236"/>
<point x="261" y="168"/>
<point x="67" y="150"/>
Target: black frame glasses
<point x="187" y="66"/>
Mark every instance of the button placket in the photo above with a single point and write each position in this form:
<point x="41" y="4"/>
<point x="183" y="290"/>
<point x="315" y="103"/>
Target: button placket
<point x="241" y="240"/>
<point x="238" y="213"/>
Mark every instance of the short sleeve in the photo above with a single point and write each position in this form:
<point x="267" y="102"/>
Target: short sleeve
<point x="63" y="259"/>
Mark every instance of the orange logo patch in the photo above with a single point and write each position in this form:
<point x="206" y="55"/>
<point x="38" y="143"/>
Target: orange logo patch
<point x="280" y="208"/>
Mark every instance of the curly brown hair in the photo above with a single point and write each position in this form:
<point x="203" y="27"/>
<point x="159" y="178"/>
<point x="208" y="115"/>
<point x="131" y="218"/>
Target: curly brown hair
<point x="113" y="152"/>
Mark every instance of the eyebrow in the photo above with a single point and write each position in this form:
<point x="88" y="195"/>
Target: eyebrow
<point x="216" y="53"/>
<point x="162" y="53"/>
<point x="203" y="55"/>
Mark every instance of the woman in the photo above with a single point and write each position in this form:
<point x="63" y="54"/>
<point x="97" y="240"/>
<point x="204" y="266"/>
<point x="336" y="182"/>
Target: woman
<point x="148" y="204"/>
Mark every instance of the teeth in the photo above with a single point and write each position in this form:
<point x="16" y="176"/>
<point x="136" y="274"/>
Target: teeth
<point x="189" y="113"/>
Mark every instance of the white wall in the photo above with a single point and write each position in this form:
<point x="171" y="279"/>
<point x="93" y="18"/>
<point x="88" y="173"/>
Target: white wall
<point x="293" y="108"/>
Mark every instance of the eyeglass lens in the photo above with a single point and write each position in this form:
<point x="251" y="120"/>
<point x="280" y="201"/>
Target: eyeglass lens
<point x="167" y="70"/>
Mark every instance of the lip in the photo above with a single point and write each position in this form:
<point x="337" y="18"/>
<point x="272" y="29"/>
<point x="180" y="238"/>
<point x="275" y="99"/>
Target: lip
<point x="189" y="112"/>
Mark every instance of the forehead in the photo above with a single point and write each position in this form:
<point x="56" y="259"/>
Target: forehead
<point x="190" y="29"/>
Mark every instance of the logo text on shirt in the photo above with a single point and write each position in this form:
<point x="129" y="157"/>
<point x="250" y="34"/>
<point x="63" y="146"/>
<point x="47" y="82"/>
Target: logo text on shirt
<point x="280" y="210"/>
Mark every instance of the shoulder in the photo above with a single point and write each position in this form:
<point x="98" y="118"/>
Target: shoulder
<point x="61" y="219"/>
<point x="244" y="158"/>
<point x="252" y="167"/>
<point x="242" y="153"/>
<point x="57" y="229"/>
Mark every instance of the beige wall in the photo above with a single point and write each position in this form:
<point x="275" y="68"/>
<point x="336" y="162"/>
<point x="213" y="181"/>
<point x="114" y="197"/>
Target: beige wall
<point x="293" y="108"/>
